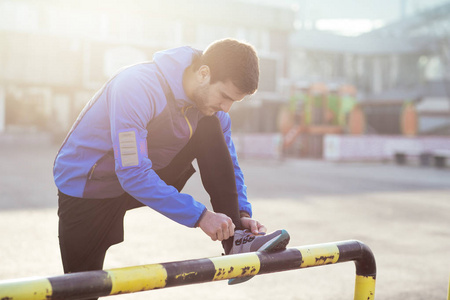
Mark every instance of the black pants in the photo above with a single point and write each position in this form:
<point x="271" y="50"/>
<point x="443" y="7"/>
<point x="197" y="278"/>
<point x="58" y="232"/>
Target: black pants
<point x="88" y="227"/>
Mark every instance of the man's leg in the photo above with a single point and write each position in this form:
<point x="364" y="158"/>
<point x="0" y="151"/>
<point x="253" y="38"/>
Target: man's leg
<point x="217" y="173"/>
<point x="208" y="146"/>
<point x="216" y="168"/>
<point x="87" y="228"/>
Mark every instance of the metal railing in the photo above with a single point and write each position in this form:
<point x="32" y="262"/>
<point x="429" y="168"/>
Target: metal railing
<point x="91" y="284"/>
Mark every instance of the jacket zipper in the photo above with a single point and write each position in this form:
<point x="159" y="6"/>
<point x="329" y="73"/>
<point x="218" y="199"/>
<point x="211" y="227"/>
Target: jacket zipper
<point x="183" y="111"/>
<point x="92" y="171"/>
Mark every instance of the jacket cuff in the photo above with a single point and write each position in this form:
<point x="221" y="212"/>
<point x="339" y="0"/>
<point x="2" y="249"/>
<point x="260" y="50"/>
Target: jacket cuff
<point x="201" y="216"/>
<point x="244" y="213"/>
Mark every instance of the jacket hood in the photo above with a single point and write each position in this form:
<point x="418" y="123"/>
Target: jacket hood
<point x="172" y="64"/>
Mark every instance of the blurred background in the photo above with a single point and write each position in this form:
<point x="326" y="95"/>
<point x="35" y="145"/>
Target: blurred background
<point x="346" y="138"/>
<point x="328" y="69"/>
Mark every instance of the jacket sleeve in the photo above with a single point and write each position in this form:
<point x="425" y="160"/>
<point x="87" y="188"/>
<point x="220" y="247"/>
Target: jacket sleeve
<point x="133" y="101"/>
<point x="244" y="204"/>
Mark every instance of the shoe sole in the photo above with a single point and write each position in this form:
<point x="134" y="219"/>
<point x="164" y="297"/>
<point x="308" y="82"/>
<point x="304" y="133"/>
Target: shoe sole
<point x="278" y="244"/>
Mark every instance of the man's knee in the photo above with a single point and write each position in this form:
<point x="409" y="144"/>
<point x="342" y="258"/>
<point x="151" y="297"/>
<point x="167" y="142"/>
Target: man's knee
<point x="209" y="125"/>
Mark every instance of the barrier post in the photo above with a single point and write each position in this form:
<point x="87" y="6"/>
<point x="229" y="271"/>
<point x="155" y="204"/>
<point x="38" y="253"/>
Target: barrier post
<point x="448" y="291"/>
<point x="84" y="285"/>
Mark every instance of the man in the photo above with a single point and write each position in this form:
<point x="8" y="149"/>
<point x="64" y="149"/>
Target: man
<point x="134" y="143"/>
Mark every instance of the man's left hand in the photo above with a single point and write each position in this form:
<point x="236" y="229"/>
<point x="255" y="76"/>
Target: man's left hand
<point x="253" y="225"/>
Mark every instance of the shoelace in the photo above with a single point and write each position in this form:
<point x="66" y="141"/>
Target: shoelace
<point x="248" y="233"/>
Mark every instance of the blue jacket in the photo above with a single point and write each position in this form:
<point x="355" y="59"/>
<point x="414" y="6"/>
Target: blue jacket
<point x="94" y="162"/>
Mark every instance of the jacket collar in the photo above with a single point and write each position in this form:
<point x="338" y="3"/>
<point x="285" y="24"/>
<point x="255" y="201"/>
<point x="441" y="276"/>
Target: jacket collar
<point x="173" y="63"/>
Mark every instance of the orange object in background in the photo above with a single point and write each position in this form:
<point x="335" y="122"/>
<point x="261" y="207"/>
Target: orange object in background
<point x="409" y="120"/>
<point x="356" y="121"/>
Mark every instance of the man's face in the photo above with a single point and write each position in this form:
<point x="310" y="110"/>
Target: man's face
<point x="219" y="96"/>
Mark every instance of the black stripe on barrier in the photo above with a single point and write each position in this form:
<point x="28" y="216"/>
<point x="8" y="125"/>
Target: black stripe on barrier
<point x="365" y="265"/>
<point x="199" y="270"/>
<point x="82" y="285"/>
<point x="288" y="259"/>
<point x="92" y="284"/>
<point x="360" y="254"/>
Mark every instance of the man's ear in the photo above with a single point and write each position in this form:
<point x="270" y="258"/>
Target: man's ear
<point x="203" y="74"/>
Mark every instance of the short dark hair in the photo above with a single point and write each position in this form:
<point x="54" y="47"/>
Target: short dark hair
<point x="229" y="59"/>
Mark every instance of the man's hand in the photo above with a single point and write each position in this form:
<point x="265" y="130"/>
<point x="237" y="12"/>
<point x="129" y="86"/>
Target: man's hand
<point x="217" y="226"/>
<point x="254" y="226"/>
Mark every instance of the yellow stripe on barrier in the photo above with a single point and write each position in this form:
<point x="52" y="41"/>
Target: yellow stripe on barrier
<point x="448" y="292"/>
<point x="92" y="284"/>
<point x="136" y="279"/>
<point x="319" y="255"/>
<point x="27" y="289"/>
<point x="243" y="265"/>
<point x="364" y="287"/>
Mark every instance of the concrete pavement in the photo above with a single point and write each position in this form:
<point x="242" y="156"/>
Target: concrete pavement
<point x="401" y="213"/>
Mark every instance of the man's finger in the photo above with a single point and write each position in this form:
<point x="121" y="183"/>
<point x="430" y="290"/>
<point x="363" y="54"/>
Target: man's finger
<point x="226" y="235"/>
<point x="254" y="227"/>
<point x="231" y="229"/>
<point x="219" y="235"/>
<point x="262" y="228"/>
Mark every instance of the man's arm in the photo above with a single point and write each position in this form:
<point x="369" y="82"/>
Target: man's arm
<point x="244" y="204"/>
<point x="133" y="101"/>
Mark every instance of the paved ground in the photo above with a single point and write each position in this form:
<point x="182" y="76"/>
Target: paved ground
<point x="401" y="213"/>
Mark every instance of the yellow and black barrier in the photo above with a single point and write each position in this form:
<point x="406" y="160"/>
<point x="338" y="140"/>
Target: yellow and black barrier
<point x="91" y="284"/>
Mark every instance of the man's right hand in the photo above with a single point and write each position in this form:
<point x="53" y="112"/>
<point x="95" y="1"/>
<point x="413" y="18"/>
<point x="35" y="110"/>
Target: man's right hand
<point x="217" y="226"/>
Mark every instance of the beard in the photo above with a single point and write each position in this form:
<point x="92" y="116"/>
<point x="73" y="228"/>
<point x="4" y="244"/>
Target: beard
<point x="200" y="98"/>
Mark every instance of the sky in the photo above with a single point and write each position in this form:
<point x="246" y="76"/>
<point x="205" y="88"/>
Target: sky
<point x="351" y="17"/>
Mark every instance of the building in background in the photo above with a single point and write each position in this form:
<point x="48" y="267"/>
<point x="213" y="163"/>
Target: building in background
<point x="391" y="80"/>
<point x="55" y="54"/>
<point x="404" y="61"/>
<point x="399" y="76"/>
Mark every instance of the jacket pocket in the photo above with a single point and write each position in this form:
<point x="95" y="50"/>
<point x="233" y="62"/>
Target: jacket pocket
<point x="104" y="168"/>
<point x="102" y="181"/>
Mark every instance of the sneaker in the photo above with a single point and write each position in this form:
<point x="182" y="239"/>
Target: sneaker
<point x="245" y="241"/>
